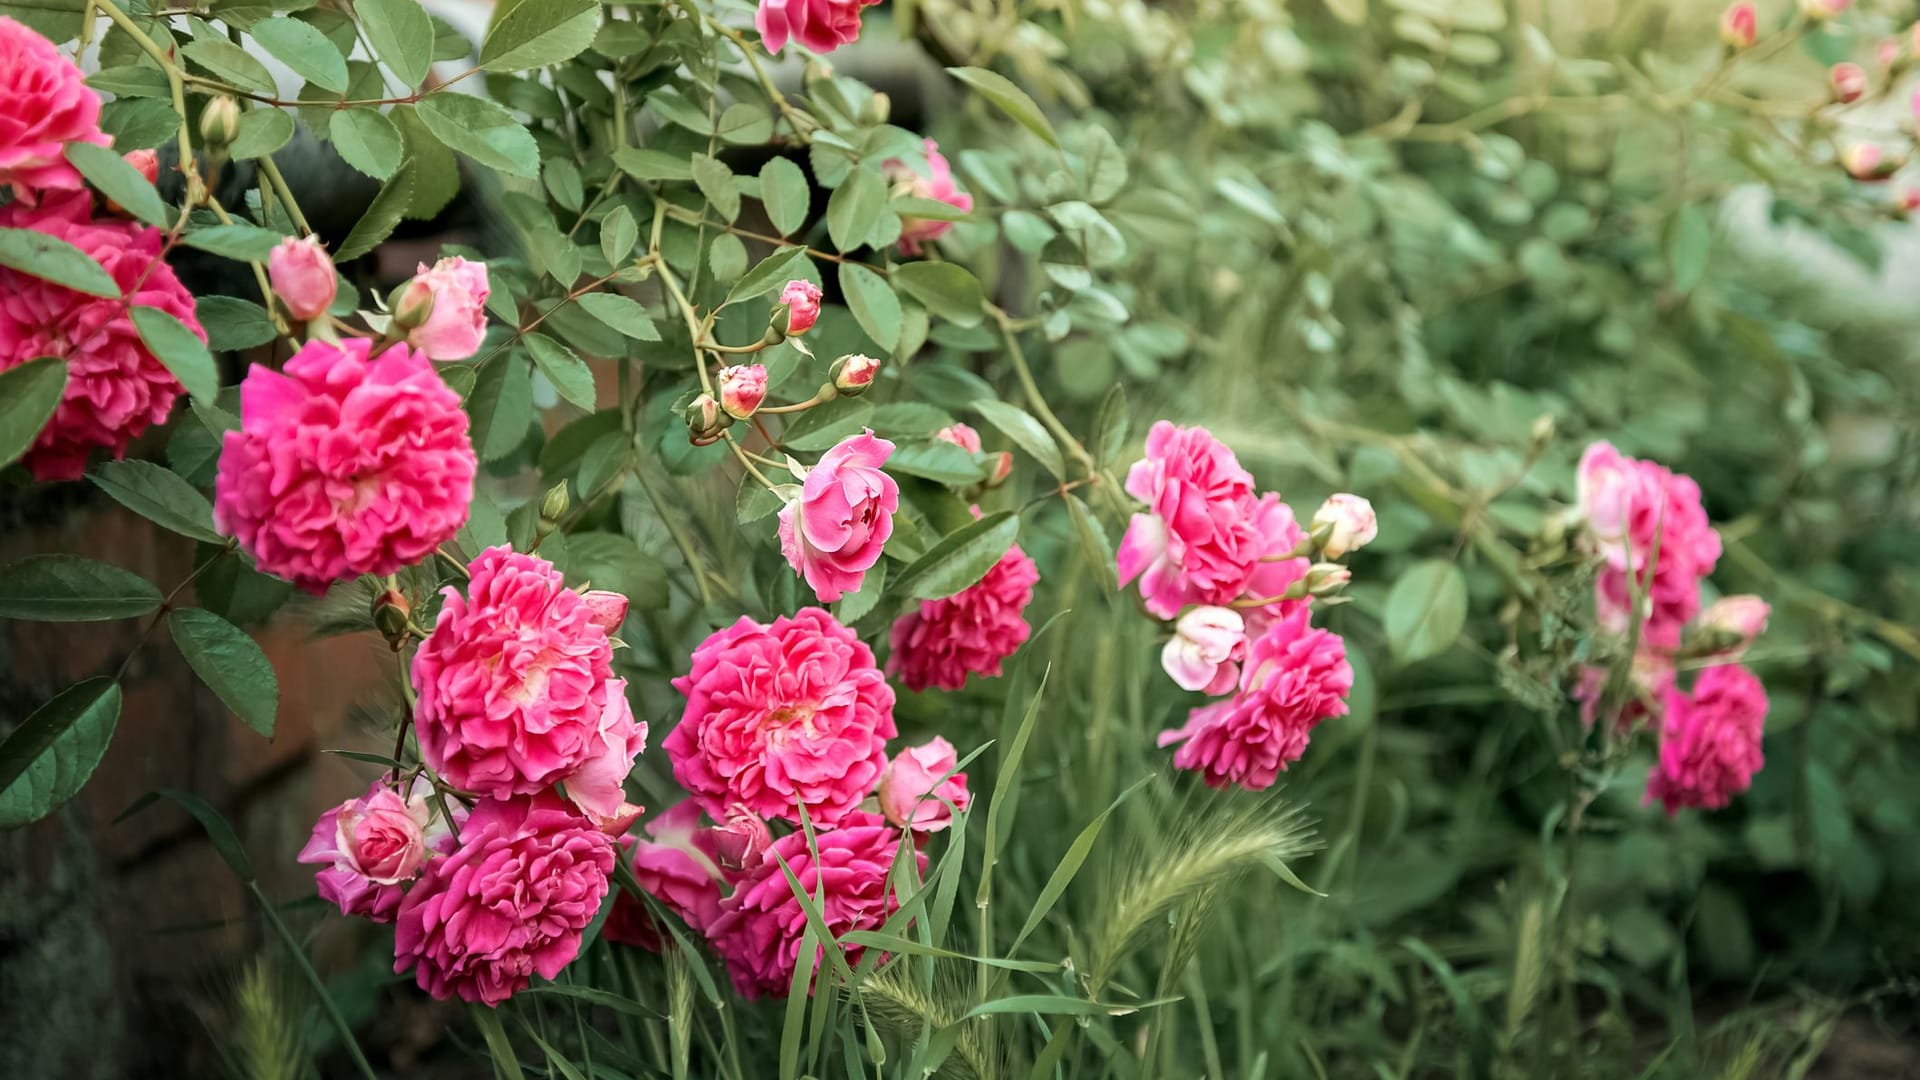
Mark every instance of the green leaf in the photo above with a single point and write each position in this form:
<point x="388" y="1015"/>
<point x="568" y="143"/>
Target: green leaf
<point x="180" y="350"/>
<point x="936" y="460"/>
<point x="1069" y="865"/>
<point x="46" y="760"/>
<point x="1426" y="610"/>
<point x="382" y="216"/>
<point x="946" y="289"/>
<point x="240" y="242"/>
<point x="232" y="323"/>
<point x="36" y="254"/>
<point x="230" y="663"/>
<point x="160" y="496"/>
<point x="262" y="131"/>
<point x="231" y="63"/>
<point x="784" y="194"/>
<point x="55" y="20"/>
<point x="482" y="130"/>
<point x="823" y="425"/>
<point x="366" y="140"/>
<point x="726" y="257"/>
<point x="854" y="208"/>
<point x="306" y="50"/>
<point x="716" y="182"/>
<point x="773" y="272"/>
<point x="533" y="35"/>
<point x="1016" y="424"/>
<point x="1110" y="425"/>
<point x="610" y="561"/>
<point x="1689" y="243"/>
<point x="139" y="123"/>
<point x="1059" y="1005"/>
<point x="960" y="559"/>
<point x="622" y="313"/>
<point x="402" y="36"/>
<point x="68" y="588"/>
<point x="618" y="234"/>
<point x="1009" y="99"/>
<point x="652" y="164"/>
<point x="28" y="395"/>
<point x="854" y="606"/>
<point x="564" y="369"/>
<point x="501" y="406"/>
<point x="119" y="181"/>
<point x="225" y="843"/>
<point x="874" y="305"/>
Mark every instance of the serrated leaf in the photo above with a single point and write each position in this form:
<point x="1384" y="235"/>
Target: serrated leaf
<point x="726" y="257"/>
<point x="533" y="35"/>
<point x="232" y="323"/>
<point x="618" y="234"/>
<point x="382" y="216"/>
<point x="483" y="131"/>
<point x="119" y="181"/>
<point x="240" y="242"/>
<point x="1426" y="610"/>
<point x="854" y="208"/>
<point x="501" y="406"/>
<point x="716" y="182"/>
<point x="773" y="271"/>
<point x="960" y="559"/>
<point x="785" y="195"/>
<point x="643" y="164"/>
<point x="569" y="374"/>
<point x="230" y="663"/>
<point x="180" y="350"/>
<point x="29" y="394"/>
<point x="310" y="53"/>
<point x="402" y="36"/>
<point x="854" y="606"/>
<point x="1110" y="425"/>
<point x="946" y="289"/>
<point x="262" y="131"/>
<point x="1009" y="99"/>
<point x="1017" y="424"/>
<point x="754" y="502"/>
<point x="622" y="313"/>
<point x="873" y="303"/>
<point x="366" y="140"/>
<point x="231" y="64"/>
<point x="936" y="460"/>
<point x="46" y="760"/>
<point x="823" y="425"/>
<point x="160" y="496"/>
<point x="69" y="588"/>
<point x="36" y="254"/>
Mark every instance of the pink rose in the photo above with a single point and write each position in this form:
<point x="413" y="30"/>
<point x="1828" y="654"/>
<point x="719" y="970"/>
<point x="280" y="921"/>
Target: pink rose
<point x="675" y="865"/>
<point x="1349" y="523"/>
<point x="457" y="323"/>
<point x="820" y="25"/>
<point x="961" y="436"/>
<point x="802" y="299"/>
<point x="742" y="388"/>
<point x="1739" y="26"/>
<point x="48" y="106"/>
<point x="853" y="374"/>
<point x="916" y="781"/>
<point x="1204" y="531"/>
<point x="792" y="713"/>
<point x="116" y="387"/>
<point x="834" y="530"/>
<point x="1649" y="525"/>
<point x="969" y="633"/>
<point x="1848" y="81"/>
<point x="741" y="840"/>
<point x="302" y="276"/>
<point x="1204" y="654"/>
<point x="368" y="847"/>
<point x="1710" y="740"/>
<point x="1733" y="622"/>
<point x="938" y="185"/>
<point x="344" y="466"/>
<point x="607" y="610"/>
<point x="1823" y="10"/>
<point x="508" y="903"/>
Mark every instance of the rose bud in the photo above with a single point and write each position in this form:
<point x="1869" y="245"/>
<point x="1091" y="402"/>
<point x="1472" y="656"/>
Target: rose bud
<point x="706" y="421"/>
<point x="802" y="301"/>
<point x="1207" y="647"/>
<point x="742" y="388"/>
<point x="1848" y="82"/>
<point x="961" y="436"/>
<point x="553" y="507"/>
<point x="220" y="122"/>
<point x="1739" y="26"/>
<point x="391" y="613"/>
<point x="1348" y="522"/>
<point x="740" y="842"/>
<point x="1867" y="162"/>
<point x="412" y="304"/>
<point x="1886" y="53"/>
<point x="1326" y="577"/>
<point x="1000" y="469"/>
<point x="456" y="321"/>
<point x="1823" y="10"/>
<point x="1906" y="200"/>
<point x="302" y="276"/>
<point x="1732" y="623"/>
<point x="853" y="374"/>
<point x="146" y="163"/>
<point x="605" y="608"/>
<point x="911" y="788"/>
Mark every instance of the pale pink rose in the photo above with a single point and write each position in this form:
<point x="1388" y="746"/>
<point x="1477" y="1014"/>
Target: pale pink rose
<point x="834" y="530"/>
<point x="969" y="633"/>
<point x="1823" y="10"/>
<point x="1866" y="162"/>
<point x="1350" y="523"/>
<point x="1205" y="651"/>
<point x="1739" y="26"/>
<point x="1848" y="81"/>
<point x="961" y="436"/>
<point x="820" y="25"/>
<point x="509" y="902"/>
<point x="741" y="840"/>
<point x="677" y="865"/>
<point x="302" y="276"/>
<point x="458" y="322"/>
<point x="1204" y="531"/>
<point x="781" y="715"/>
<point x="802" y="300"/>
<point x="1294" y="677"/>
<point x="344" y="466"/>
<point x="912" y="788"/>
<point x="936" y="184"/>
<point x="367" y="849"/>
<point x="48" y="106"/>
<point x="516" y="690"/>
<point x="742" y="388"/>
<point x="1710" y="740"/>
<point x="760" y="925"/>
<point x="1737" y="621"/>
<point x="116" y="388"/>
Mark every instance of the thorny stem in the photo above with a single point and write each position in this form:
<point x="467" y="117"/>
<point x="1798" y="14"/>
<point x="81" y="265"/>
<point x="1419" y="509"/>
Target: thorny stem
<point x="266" y="99"/>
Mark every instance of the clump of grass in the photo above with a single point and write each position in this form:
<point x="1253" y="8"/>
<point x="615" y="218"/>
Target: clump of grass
<point x="255" y="1029"/>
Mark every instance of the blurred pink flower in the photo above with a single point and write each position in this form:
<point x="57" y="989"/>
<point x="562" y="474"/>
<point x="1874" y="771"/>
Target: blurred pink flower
<point x="342" y="466"/>
<point x="835" y="529"/>
<point x="1710" y="740"/>
<point x="677" y="864"/>
<point x="915" y="772"/>
<point x="48" y="106"/>
<point x="938" y="185"/>
<point x="1735" y="621"/>
<point x="368" y="848"/>
<point x="968" y="633"/>
<point x="1848" y="82"/>
<point x="820" y="25"/>
<point x="457" y="323"/>
<point x="1739" y="26"/>
<point x="1639" y="514"/>
<point x="961" y="436"/>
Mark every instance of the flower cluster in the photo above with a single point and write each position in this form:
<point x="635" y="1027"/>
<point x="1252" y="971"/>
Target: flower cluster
<point x="968" y="633"/>
<point x="1233" y="569"/>
<point x="935" y="184"/>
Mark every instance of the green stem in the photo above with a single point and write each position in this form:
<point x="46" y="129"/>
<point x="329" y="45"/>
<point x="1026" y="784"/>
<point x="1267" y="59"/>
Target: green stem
<point x="175" y="83"/>
<point x="281" y="189"/>
<point x="1035" y="399"/>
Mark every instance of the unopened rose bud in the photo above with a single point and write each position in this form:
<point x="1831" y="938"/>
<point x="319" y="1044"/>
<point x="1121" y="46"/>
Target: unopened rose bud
<point x="220" y="122"/>
<point x="146" y="163"/>
<point x="706" y="421"/>
<point x="1887" y="53"/>
<point x="1823" y="10"/>
<point x="1732" y="623"/>
<point x="1867" y="162"/>
<point x="742" y="388"/>
<point x="1542" y="430"/>
<point x="1349" y="524"/>
<point x="1906" y="201"/>
<point x="1739" y="26"/>
<point x="412" y="304"/>
<point x="1000" y="468"/>
<point x="879" y="107"/>
<point x="960" y="435"/>
<point x="1848" y="82"/>
<point x="553" y="506"/>
<point x="853" y="374"/>
<point x="801" y="298"/>
<point x="1326" y="577"/>
<point x="302" y="277"/>
<point x="391" y="613"/>
<point x="741" y="841"/>
<point x="607" y="609"/>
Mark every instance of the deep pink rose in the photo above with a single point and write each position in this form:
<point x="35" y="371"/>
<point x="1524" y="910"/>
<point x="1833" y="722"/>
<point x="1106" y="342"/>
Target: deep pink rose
<point x="761" y="923"/>
<point x="1205" y="651"/>
<point x="1647" y="522"/>
<point x="302" y="276"/>
<point x="741" y="840"/>
<point x="918" y="771"/>
<point x="516" y="688"/>
<point x="834" y="531"/>
<point x="936" y="184"/>
<point x="969" y="633"/>
<point x="677" y="865"/>
<point x="795" y="712"/>
<point x="1204" y="531"/>
<point x="458" y="322"/>
<point x="48" y="106"/>
<point x="368" y="848"/>
<point x="344" y="467"/>
<point x="1294" y="677"/>
<point x="802" y="300"/>
<point x="116" y="388"/>
<point x="820" y="25"/>
<point x="511" y="900"/>
<point x="1710" y="740"/>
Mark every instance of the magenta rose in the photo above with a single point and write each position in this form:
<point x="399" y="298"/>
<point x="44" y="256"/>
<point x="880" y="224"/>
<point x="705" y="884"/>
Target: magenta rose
<point x="367" y="849"/>
<point x="48" y="106"/>
<point x="1710" y="740"/>
<point x="1203" y="532"/>
<point x="458" y="321"/>
<point x="916" y="782"/>
<point x="820" y="25"/>
<point x="833" y="531"/>
<point x="969" y="633"/>
<point x="742" y="388"/>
